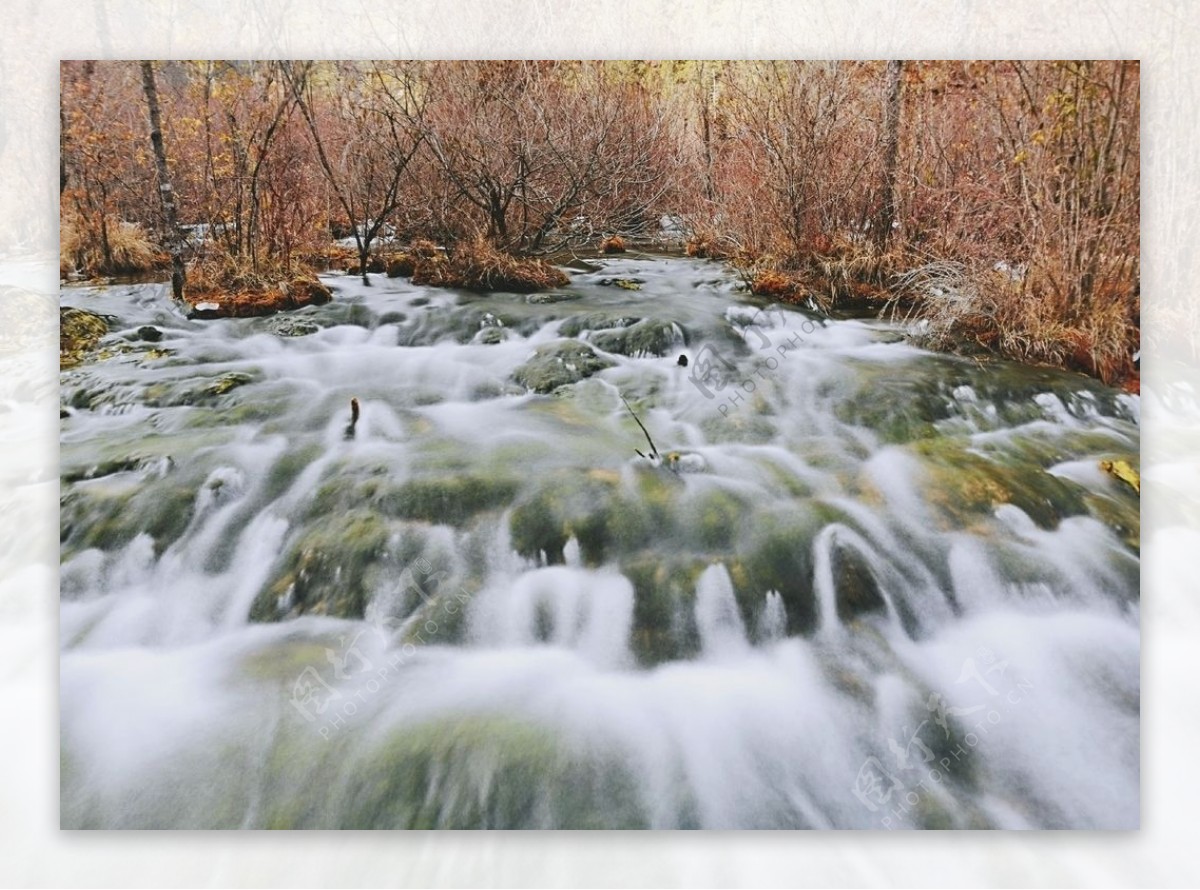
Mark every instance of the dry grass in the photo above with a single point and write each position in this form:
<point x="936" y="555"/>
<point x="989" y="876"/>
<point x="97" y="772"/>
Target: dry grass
<point x="401" y="265"/>
<point x="238" y="291"/>
<point x="294" y="294"/>
<point x="477" y="265"/>
<point x="957" y="308"/>
<point x="774" y="284"/>
<point x="130" y="250"/>
<point x="707" y="246"/>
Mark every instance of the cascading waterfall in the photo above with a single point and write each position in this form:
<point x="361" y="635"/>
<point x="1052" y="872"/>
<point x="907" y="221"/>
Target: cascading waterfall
<point x="865" y="585"/>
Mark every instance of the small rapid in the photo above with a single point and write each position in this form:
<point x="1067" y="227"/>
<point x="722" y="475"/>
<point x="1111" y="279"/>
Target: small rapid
<point x="848" y="584"/>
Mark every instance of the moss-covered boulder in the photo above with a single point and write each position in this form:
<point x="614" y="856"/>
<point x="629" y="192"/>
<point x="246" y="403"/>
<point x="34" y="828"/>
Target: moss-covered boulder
<point x="664" y="596"/>
<point x="107" y="517"/>
<point x="966" y="487"/>
<point x="645" y="338"/>
<point x="401" y="265"/>
<point x="559" y="364"/>
<point x="327" y="569"/>
<point x="595" y="321"/>
<point x="79" y="332"/>
<point x="552" y="297"/>
<point x="449" y="498"/>
<point x="428" y="775"/>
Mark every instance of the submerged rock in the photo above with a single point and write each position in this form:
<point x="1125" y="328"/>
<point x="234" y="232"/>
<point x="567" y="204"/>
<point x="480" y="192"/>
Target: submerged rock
<point x="595" y="321"/>
<point x="552" y="297"/>
<point x="428" y="775"/>
<point x="647" y="337"/>
<point x="283" y="326"/>
<point x="326" y="569"/>
<point x="79" y="333"/>
<point x="966" y="486"/>
<point x="559" y="364"/>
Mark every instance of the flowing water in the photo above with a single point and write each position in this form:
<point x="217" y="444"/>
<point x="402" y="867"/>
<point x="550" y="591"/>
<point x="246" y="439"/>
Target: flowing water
<point x="853" y="584"/>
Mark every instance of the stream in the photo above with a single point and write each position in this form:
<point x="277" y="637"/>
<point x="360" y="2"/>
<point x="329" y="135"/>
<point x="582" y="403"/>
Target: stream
<point x="848" y="584"/>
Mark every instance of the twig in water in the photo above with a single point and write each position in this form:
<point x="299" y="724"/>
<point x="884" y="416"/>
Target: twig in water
<point x="653" y="447"/>
<point x="353" y="418"/>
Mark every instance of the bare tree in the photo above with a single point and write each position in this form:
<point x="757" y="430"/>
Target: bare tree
<point x="891" y="145"/>
<point x="541" y="155"/>
<point x="374" y="114"/>
<point x="165" y="189"/>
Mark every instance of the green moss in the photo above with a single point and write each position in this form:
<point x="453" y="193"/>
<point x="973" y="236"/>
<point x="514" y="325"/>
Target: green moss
<point x="326" y="569"/>
<point x="287" y="468"/>
<point x="226" y="383"/>
<point x="647" y="337"/>
<point x="596" y="321"/>
<point x="109" y="518"/>
<point x="79" y="333"/>
<point x="559" y="364"/>
<point x="966" y="486"/>
<point x="1121" y="514"/>
<point x="716" y="518"/>
<point x="428" y="776"/>
<point x="664" y="593"/>
<point x="448" y="498"/>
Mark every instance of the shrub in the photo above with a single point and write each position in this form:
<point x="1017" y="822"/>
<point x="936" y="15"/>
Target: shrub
<point x="705" y="245"/>
<point x="477" y="265"/>
<point x="770" y="283"/>
<point x="613" y="244"/>
<point x="110" y="247"/>
<point x="401" y="265"/>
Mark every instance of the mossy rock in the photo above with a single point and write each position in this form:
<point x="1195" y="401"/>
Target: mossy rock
<point x="966" y="486"/>
<point x="287" y="326"/>
<point x="1121" y="514"/>
<point x="79" y="333"/>
<point x="586" y="505"/>
<point x="664" y="596"/>
<point x="857" y="588"/>
<point x="596" y="321"/>
<point x="559" y="364"/>
<point x="552" y="297"/>
<point x="226" y="383"/>
<point x="776" y="554"/>
<point x="429" y="776"/>
<point x="451" y="498"/>
<point x="401" y="265"/>
<point x="716" y="518"/>
<point x="491" y="336"/>
<point x="108" y="518"/>
<point x="646" y="338"/>
<point x="325" y="571"/>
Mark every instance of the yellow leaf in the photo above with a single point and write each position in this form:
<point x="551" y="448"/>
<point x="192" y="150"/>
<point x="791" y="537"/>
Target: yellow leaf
<point x="1124" y="471"/>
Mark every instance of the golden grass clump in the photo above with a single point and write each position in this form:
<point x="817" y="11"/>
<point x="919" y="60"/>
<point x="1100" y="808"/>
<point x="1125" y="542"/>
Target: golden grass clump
<point x="226" y="287"/>
<point x="774" y="284"/>
<point x="613" y="244"/>
<point x="479" y="266"/>
<point x="401" y="265"/>
<point x="295" y="294"/>
<point x="705" y="245"/>
<point x="130" y="250"/>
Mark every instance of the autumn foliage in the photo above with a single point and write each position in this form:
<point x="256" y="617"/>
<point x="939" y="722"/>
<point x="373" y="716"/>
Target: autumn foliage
<point x="996" y="203"/>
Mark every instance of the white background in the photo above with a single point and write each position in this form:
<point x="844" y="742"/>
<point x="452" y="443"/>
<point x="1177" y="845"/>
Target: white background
<point x="35" y="34"/>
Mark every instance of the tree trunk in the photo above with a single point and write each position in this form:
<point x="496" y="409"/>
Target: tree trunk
<point x="62" y="148"/>
<point x="165" y="191"/>
<point x="891" y="145"/>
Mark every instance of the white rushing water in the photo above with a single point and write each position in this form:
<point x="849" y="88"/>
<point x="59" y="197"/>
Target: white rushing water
<point x="867" y="586"/>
